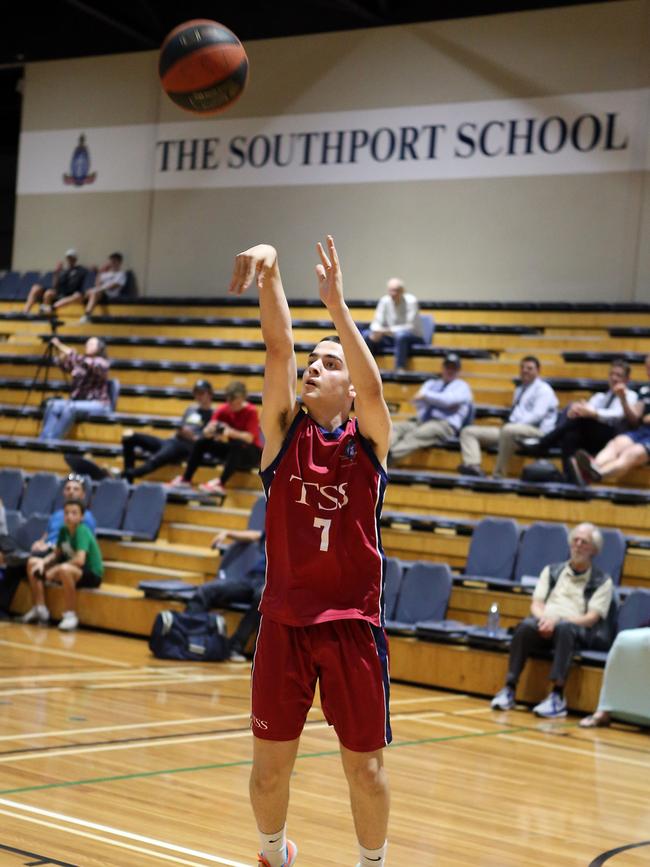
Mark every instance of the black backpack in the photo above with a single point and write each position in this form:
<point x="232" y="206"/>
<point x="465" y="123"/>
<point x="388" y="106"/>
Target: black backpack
<point x="541" y="471"/>
<point x="197" y="637"/>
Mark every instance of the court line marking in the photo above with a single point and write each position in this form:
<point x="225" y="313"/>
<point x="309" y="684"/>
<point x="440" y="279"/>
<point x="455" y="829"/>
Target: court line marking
<point x="190" y="679"/>
<point x="563" y="748"/>
<point x="164" y="723"/>
<point x="83" y="674"/>
<point x="161" y="844"/>
<point x="37" y="690"/>
<point x="242" y="762"/>
<point x="56" y="651"/>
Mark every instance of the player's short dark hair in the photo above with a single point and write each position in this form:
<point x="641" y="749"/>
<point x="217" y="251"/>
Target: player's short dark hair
<point x="623" y="365"/>
<point x="533" y="358"/>
<point x="79" y="503"/>
<point x="333" y="339"/>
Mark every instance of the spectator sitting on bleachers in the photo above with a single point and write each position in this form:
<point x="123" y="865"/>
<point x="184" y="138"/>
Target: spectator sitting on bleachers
<point x="110" y="282"/>
<point x="246" y="588"/>
<point x="73" y="489"/>
<point x="591" y="424"/>
<point x="569" y="601"/>
<point x="443" y="406"/>
<point x="75" y="562"/>
<point x="533" y="413"/>
<point x="396" y="323"/>
<point x="232" y="436"/>
<point x="625" y="451"/>
<point x="625" y="690"/>
<point x="66" y="285"/>
<point x="175" y="449"/>
<point x="88" y="392"/>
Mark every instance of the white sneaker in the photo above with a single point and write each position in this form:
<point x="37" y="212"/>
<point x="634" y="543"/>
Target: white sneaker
<point x="36" y="613"/>
<point x="84" y="319"/>
<point x="504" y="699"/>
<point x="69" y="621"/>
<point x="236" y="656"/>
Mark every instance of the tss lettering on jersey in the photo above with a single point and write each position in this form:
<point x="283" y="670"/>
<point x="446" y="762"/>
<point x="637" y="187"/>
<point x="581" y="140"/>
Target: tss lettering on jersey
<point x="325" y="498"/>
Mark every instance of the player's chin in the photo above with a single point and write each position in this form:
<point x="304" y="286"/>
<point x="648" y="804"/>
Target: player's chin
<point x="309" y="394"/>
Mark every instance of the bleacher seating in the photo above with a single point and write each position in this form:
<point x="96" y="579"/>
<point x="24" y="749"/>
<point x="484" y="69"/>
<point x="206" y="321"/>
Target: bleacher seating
<point x="430" y="512"/>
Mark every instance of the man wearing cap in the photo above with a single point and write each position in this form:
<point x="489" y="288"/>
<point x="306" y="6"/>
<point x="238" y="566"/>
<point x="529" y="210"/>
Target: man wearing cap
<point x="177" y="448"/>
<point x="443" y="406"/>
<point x="67" y="283"/>
<point x="533" y="413"/>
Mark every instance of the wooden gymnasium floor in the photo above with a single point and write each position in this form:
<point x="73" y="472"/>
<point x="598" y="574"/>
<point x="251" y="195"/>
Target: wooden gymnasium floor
<point x="111" y="758"/>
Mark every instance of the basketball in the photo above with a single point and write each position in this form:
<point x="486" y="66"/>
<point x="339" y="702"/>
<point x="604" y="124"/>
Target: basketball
<point x="203" y="67"/>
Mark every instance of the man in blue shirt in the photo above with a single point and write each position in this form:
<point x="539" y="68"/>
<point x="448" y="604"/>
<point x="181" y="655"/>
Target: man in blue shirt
<point x="443" y="406"/>
<point x="73" y="489"/>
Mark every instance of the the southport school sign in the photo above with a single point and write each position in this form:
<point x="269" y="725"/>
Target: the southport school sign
<point x="567" y="134"/>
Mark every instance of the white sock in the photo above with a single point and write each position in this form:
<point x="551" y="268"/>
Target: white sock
<point x="42" y="611"/>
<point x="373" y="857"/>
<point x="274" y="847"/>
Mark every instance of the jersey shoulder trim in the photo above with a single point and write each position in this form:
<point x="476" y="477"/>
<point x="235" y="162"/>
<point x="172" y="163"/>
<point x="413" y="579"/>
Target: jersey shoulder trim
<point x="267" y="474"/>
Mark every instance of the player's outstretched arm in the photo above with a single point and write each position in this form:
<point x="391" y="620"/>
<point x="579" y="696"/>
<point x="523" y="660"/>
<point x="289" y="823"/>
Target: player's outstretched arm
<point x="260" y="263"/>
<point x="370" y="406"/>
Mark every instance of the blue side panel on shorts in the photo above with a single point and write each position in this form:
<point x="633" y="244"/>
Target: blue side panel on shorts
<point x="381" y="643"/>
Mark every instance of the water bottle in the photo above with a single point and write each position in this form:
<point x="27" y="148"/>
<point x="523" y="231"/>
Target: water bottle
<point x="493" y="620"/>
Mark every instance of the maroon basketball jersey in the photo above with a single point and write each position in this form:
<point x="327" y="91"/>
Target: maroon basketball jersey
<point x="323" y="547"/>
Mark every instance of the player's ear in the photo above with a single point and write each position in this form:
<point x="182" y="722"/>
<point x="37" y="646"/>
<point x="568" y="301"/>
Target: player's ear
<point x="351" y="392"/>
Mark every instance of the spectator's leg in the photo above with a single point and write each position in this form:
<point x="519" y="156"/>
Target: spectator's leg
<point x="74" y="408"/>
<point x="472" y="438"/>
<point x="93" y="297"/>
<point x="565" y="640"/>
<point x="35" y="294"/>
<point x="36" y="585"/>
<point x="526" y="640"/>
<point x="583" y="433"/>
<point x="403" y="343"/>
<point x="201" y="447"/>
<point x="52" y="423"/>
<point x="508" y="444"/>
<point x="137" y="440"/>
<point x="633" y="456"/>
<point x="68" y="575"/>
<point x="421" y="436"/>
<point x="67" y="300"/>
<point x="170" y="451"/>
<point x="239" y="455"/>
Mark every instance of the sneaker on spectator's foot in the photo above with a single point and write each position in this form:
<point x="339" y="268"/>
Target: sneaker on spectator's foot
<point x="214" y="486"/>
<point x="504" y="699"/>
<point x="84" y="319"/>
<point x="553" y="707"/>
<point x="69" y="621"/>
<point x="236" y="656"/>
<point x="587" y="466"/>
<point x="179" y="482"/>
<point x="292" y="854"/>
<point x="46" y="309"/>
<point x="36" y="613"/>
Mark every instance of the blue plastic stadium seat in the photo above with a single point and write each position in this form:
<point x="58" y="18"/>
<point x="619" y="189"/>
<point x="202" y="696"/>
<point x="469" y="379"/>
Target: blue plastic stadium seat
<point x="258" y="514"/>
<point x="144" y="511"/>
<point x="424" y="595"/>
<point x="611" y="558"/>
<point x="11" y="487"/>
<point x="40" y="494"/>
<point x="392" y="583"/>
<point x="109" y="502"/>
<point x="493" y="549"/>
<point x="31" y="530"/>
<point x="542" y="543"/>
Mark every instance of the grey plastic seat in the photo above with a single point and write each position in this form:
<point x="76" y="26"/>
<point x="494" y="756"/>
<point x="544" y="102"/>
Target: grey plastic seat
<point x="493" y="549"/>
<point x="144" y="511"/>
<point x="611" y="558"/>
<point x="635" y="611"/>
<point x="12" y="484"/>
<point x="109" y="502"/>
<point x="541" y="544"/>
<point x="257" y="516"/>
<point x="392" y="583"/>
<point x="40" y="494"/>
<point x="424" y="595"/>
<point x="31" y="530"/>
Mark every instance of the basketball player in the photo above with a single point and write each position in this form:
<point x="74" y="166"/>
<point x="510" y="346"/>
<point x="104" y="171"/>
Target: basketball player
<point x="324" y="476"/>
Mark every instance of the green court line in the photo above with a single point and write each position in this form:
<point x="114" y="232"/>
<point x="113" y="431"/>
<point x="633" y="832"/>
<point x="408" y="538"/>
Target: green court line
<point x="243" y="762"/>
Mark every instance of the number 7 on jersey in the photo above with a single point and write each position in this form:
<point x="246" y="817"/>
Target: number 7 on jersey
<point x="324" y="524"/>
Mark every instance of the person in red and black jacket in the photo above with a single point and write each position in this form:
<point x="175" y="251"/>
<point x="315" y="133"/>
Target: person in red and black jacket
<point x="232" y="436"/>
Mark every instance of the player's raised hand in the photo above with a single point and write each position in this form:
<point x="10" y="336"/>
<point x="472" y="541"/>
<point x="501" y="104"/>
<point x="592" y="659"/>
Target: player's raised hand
<point x="330" y="279"/>
<point x="250" y="265"/>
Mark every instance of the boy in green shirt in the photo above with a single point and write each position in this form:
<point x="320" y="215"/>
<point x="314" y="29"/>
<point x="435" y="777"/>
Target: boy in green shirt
<point x="75" y="562"/>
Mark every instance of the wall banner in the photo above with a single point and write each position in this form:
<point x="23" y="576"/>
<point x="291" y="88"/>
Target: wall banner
<point x="586" y="133"/>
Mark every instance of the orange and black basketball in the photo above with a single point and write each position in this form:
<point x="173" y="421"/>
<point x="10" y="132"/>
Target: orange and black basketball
<point x="203" y="66"/>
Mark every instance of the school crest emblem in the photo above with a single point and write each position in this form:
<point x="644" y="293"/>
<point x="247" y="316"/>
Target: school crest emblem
<point x="80" y="173"/>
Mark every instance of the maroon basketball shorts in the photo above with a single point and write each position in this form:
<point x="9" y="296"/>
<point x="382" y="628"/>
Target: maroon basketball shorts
<point x="349" y="661"/>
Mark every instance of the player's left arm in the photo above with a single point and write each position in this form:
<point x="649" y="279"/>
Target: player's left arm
<point x="370" y="406"/>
